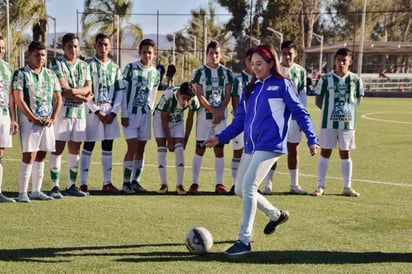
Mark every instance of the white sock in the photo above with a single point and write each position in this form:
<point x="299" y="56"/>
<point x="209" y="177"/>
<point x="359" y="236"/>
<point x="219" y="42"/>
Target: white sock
<point x="107" y="165"/>
<point x="127" y="171"/>
<point x="322" y="170"/>
<point x="85" y="159"/>
<point x="55" y="163"/>
<point x="234" y="166"/>
<point x="161" y="164"/>
<point x="219" y="169"/>
<point x="346" y="169"/>
<point x="73" y="161"/>
<point x="137" y="169"/>
<point x="24" y="176"/>
<point x="180" y="163"/>
<point x="37" y="175"/>
<point x="294" y="177"/>
<point x="196" y="164"/>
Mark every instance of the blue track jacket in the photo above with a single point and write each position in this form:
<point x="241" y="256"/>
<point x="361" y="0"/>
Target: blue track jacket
<point x="265" y="115"/>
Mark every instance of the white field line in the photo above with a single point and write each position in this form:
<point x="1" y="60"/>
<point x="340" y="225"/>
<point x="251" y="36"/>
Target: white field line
<point x="367" y="117"/>
<point x="278" y="172"/>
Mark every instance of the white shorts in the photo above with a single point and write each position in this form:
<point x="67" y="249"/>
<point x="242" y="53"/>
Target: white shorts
<point x="5" y="136"/>
<point x="139" y="126"/>
<point x="177" y="130"/>
<point x="70" y="129"/>
<point x="36" y="138"/>
<point x="238" y="142"/>
<point x="97" y="131"/>
<point x="294" y="132"/>
<point x="204" y="129"/>
<point x="329" y="137"/>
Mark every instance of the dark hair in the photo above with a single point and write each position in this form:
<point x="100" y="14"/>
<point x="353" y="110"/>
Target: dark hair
<point x="101" y="36"/>
<point x="146" y="42"/>
<point x="212" y="45"/>
<point x="288" y="45"/>
<point x="249" y="52"/>
<point x="68" y="37"/>
<point x="1" y="37"/>
<point x="187" y="89"/>
<point x="36" y="45"/>
<point x="343" y="52"/>
<point x="268" y="53"/>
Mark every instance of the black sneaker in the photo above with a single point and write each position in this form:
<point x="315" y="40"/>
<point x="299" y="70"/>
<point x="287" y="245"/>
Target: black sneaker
<point x="231" y="191"/>
<point x="271" y="226"/>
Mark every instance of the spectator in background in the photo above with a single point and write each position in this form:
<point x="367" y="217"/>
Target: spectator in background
<point x="170" y="74"/>
<point x="161" y="70"/>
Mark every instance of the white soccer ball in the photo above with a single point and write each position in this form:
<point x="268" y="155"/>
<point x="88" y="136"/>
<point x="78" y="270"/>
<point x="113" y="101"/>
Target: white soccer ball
<point x="199" y="240"/>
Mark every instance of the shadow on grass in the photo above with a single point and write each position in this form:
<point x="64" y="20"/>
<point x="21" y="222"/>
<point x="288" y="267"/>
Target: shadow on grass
<point x="131" y="254"/>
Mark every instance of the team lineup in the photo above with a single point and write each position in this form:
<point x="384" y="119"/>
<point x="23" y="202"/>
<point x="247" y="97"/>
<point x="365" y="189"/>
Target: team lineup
<point x="77" y="102"/>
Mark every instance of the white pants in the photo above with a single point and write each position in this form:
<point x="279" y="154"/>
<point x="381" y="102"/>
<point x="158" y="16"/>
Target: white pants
<point x="253" y="168"/>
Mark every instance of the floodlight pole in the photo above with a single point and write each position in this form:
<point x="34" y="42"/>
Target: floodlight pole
<point x="278" y="34"/>
<point x="174" y="45"/>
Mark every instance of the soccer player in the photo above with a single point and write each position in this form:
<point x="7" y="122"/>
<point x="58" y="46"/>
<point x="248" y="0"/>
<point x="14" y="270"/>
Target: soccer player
<point x="213" y="83"/>
<point x="141" y="81"/>
<point x="70" y="128"/>
<point x="169" y="131"/>
<point x="298" y="76"/>
<point x="239" y="84"/>
<point x="37" y="94"/>
<point x="101" y="122"/>
<point x="8" y="123"/>
<point x="338" y="95"/>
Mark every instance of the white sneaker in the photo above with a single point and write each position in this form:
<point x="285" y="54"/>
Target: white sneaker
<point x="347" y="191"/>
<point x="267" y="190"/>
<point x="23" y="197"/>
<point x="38" y="195"/>
<point x="297" y="190"/>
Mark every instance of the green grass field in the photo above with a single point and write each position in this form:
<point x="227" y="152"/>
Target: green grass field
<point x="145" y="233"/>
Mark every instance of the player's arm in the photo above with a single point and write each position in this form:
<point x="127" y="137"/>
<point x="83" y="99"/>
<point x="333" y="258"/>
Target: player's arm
<point x="14" y="126"/>
<point x="57" y="106"/>
<point x="189" y="125"/>
<point x="21" y="104"/>
<point x="217" y="114"/>
<point x="164" y="117"/>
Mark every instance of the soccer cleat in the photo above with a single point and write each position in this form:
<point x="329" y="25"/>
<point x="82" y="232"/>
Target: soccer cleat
<point x="347" y="191"/>
<point x="85" y="189"/>
<point x="4" y="199"/>
<point x="297" y="190"/>
<point x="180" y="190"/>
<point x="38" y="195"/>
<point x="272" y="225"/>
<point x="74" y="191"/>
<point x="163" y="189"/>
<point x="55" y="193"/>
<point x="193" y="189"/>
<point x="127" y="189"/>
<point x="23" y="197"/>
<point x="137" y="187"/>
<point x="239" y="248"/>
<point x="231" y="191"/>
<point x="319" y="191"/>
<point x="110" y="188"/>
<point x="220" y="189"/>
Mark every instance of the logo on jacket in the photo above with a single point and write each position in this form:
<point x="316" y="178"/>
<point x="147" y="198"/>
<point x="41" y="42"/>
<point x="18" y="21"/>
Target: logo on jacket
<point x="272" y="88"/>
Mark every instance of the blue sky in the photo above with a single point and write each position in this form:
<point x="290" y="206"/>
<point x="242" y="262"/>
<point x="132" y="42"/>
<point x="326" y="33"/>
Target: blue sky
<point x="65" y="12"/>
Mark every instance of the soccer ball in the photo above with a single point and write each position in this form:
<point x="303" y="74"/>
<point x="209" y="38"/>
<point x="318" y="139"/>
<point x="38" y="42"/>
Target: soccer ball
<point x="199" y="240"/>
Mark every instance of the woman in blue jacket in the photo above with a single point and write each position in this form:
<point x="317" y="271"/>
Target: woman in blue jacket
<point x="263" y="115"/>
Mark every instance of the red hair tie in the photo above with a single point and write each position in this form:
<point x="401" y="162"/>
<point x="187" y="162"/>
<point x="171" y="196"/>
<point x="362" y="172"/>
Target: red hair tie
<point x="265" y="52"/>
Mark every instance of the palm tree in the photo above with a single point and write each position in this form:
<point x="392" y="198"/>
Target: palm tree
<point x="101" y="16"/>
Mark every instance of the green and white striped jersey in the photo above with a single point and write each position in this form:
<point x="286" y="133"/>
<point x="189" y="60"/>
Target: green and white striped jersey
<point x="298" y="76"/>
<point x="141" y="86"/>
<point x="213" y="81"/>
<point x="339" y="100"/>
<point x="37" y="88"/>
<point x="239" y="83"/>
<point x="169" y="103"/>
<point x="76" y="76"/>
<point x="6" y="73"/>
<point x="105" y="84"/>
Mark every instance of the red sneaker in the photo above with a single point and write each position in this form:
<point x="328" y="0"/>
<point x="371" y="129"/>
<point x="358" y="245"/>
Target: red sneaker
<point x="220" y="189"/>
<point x="109" y="188"/>
<point x="193" y="189"/>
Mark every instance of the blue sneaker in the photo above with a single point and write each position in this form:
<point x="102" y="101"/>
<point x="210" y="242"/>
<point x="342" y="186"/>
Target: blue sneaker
<point x="239" y="248"/>
<point x="74" y="191"/>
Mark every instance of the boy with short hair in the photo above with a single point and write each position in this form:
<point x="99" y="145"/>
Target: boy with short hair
<point x="168" y="126"/>
<point x="101" y="121"/>
<point x="213" y="83"/>
<point x="141" y="80"/>
<point x="74" y="78"/>
<point x="37" y="94"/>
<point x="338" y="95"/>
